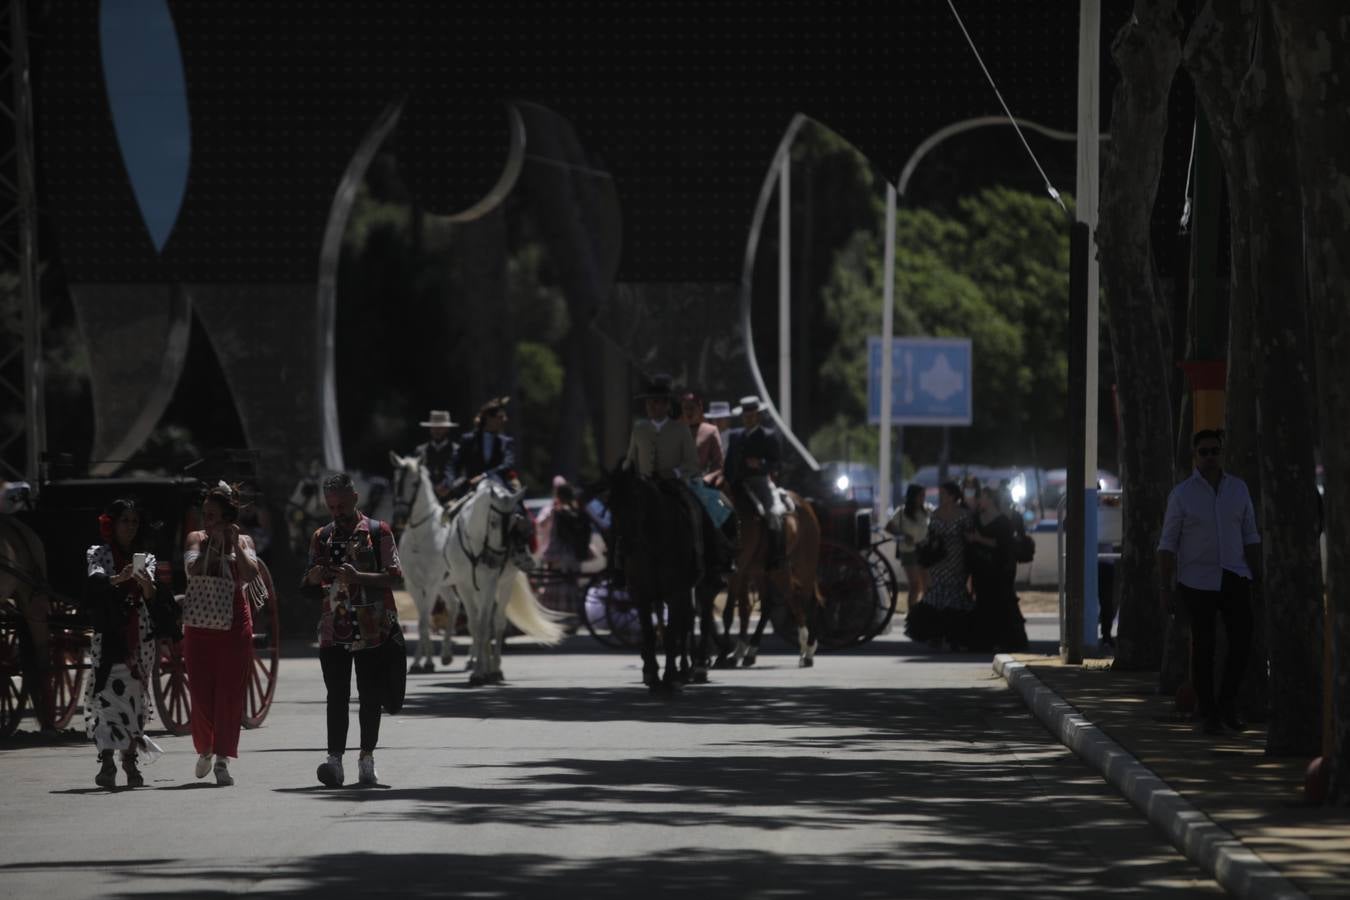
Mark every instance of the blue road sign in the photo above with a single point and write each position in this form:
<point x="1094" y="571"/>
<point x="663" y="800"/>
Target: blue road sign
<point x="930" y="382"/>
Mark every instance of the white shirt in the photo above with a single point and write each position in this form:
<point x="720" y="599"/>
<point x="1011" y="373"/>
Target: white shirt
<point x="658" y="423"/>
<point x="1209" y="530"/>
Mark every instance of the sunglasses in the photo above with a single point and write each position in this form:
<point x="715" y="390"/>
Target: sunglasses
<point x="1208" y="451"/>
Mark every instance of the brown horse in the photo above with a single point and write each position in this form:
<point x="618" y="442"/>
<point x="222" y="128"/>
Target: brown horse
<point x="793" y="582"/>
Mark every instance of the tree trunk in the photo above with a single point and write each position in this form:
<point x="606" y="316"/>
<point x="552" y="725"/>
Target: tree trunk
<point x="1147" y="51"/>
<point x="1283" y="355"/>
<point x="1315" y="59"/>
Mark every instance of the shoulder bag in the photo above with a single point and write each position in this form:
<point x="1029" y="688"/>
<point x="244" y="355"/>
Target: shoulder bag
<point x="209" y="601"/>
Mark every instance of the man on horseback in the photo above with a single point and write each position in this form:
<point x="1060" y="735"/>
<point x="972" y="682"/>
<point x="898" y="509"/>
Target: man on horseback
<point x="438" y="453"/>
<point x="753" y="457"/>
<point x="662" y="448"/>
<point x="484" y="452"/>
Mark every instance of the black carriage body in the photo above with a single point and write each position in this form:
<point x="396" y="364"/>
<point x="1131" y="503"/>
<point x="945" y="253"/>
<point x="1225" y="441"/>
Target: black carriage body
<point x="66" y="519"/>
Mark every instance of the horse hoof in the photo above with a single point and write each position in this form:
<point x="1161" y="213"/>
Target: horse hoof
<point x="496" y="678"/>
<point x="724" y="662"/>
<point x="476" y="680"/>
<point x="699" y="676"/>
<point x="748" y="661"/>
<point x="805" y="662"/>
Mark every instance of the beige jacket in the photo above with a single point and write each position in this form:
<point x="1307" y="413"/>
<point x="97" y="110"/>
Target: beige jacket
<point x="662" y="452"/>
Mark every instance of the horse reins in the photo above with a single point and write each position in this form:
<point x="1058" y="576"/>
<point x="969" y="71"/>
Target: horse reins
<point x="496" y="558"/>
<point x="412" y="504"/>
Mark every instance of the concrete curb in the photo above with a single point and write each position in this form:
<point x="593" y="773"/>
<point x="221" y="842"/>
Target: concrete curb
<point x="1240" y="871"/>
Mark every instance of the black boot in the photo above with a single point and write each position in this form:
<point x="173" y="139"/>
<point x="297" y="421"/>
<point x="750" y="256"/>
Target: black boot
<point x="134" y="777"/>
<point x="107" y="771"/>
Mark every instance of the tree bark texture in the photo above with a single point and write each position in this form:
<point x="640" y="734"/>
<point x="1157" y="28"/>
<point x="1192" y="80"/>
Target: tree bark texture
<point x="1147" y="51"/>
<point x="1284" y="360"/>
<point x="1314" y="38"/>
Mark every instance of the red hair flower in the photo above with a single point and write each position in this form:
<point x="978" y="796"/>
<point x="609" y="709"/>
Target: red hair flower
<point x="105" y="527"/>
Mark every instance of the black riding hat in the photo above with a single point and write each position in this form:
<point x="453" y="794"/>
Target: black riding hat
<point x="658" y="387"/>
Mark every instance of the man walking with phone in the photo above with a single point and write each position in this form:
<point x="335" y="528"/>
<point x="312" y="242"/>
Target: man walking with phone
<point x="1211" y="550"/>
<point x="354" y="567"/>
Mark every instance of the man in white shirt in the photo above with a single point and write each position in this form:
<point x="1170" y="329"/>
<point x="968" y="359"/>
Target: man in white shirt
<point x="1211" y="549"/>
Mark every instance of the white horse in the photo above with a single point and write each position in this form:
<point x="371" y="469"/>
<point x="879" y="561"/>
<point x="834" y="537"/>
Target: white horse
<point x="475" y="562"/>
<point x="421" y="550"/>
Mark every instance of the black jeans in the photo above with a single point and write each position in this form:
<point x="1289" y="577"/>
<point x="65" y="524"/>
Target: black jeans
<point x="337" y="678"/>
<point x="1233" y="600"/>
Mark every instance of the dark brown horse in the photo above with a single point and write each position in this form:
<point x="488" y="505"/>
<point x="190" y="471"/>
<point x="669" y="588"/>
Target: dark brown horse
<point x="792" y="582"/>
<point x="659" y="543"/>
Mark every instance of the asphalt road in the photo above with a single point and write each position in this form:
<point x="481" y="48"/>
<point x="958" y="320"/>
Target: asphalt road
<point x="890" y="772"/>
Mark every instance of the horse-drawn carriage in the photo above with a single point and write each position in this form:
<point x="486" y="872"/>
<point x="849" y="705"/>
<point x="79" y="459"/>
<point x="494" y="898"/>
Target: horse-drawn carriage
<point x="44" y="637"/>
<point x="858" y="585"/>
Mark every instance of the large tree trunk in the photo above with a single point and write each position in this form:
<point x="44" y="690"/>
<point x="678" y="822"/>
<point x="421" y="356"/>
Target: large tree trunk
<point x="1217" y="56"/>
<point x="1315" y="59"/>
<point x="1291" y="557"/>
<point x="1147" y="51"/>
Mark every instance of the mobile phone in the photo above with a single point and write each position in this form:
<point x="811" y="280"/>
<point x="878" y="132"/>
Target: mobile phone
<point x="138" y="561"/>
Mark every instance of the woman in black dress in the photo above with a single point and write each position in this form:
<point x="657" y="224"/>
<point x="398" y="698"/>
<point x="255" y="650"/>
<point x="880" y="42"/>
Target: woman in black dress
<point x="997" y="622"/>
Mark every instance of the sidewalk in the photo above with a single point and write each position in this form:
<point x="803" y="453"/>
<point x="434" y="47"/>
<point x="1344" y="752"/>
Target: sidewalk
<point x="1238" y="814"/>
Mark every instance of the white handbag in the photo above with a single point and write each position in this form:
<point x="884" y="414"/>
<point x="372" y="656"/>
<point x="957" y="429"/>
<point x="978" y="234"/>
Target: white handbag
<point x="209" y="601"/>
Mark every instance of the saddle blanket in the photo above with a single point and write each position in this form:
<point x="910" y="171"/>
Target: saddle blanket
<point x="713" y="500"/>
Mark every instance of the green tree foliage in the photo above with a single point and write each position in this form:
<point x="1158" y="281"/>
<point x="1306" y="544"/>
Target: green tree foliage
<point x="996" y="272"/>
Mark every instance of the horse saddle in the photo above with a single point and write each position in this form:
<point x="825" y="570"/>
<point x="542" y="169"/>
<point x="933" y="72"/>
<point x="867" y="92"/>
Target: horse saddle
<point x="453" y="507"/>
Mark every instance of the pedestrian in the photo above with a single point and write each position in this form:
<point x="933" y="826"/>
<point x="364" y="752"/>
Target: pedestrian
<point x="910" y="525"/>
<point x="354" y="567"/>
<point x="1211" y="549"/>
<point x="997" y="622"/>
<point x="219" y="659"/>
<point x="117" y="595"/>
<point x="943" y="616"/>
<point x="707" y="439"/>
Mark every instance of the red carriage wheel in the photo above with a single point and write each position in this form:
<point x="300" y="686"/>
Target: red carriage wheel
<point x="12" y="699"/>
<point x="65" y="676"/>
<point x="262" y="670"/>
<point x="171" y="688"/>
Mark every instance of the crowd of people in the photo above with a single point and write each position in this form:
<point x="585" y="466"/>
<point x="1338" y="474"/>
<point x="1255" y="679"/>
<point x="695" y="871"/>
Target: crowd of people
<point x="961" y="564"/>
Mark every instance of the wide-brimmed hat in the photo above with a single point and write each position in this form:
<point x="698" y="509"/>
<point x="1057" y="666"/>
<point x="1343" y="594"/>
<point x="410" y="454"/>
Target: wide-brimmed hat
<point x="718" y="409"/>
<point x="751" y="404"/>
<point x="439" y="418"/>
<point x="492" y="405"/>
<point x="658" y="387"/>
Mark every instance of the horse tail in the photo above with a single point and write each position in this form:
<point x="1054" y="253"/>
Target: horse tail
<point x="524" y="611"/>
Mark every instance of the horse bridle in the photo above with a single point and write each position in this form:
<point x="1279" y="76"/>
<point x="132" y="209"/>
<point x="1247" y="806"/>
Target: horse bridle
<point x="495" y="557"/>
<point x="411" y="504"/>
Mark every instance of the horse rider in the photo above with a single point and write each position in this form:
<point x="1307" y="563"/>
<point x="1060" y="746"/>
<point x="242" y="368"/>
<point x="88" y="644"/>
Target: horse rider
<point x="707" y="439"/>
<point x="662" y="447"/>
<point x="752" y="461"/>
<point x="438" y="453"/>
<point x="720" y="415"/>
<point x="485" y="451"/>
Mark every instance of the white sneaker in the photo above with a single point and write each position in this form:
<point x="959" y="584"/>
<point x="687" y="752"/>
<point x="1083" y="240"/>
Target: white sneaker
<point x="203" y="766"/>
<point x="365" y="766"/>
<point x="222" y="770"/>
<point x="330" y="772"/>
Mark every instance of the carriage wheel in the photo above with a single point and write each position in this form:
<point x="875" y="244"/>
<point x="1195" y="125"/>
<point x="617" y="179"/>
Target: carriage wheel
<point x="262" y="670"/>
<point x="610" y="614"/>
<point x="846" y="582"/>
<point x="12" y="698"/>
<point x="172" y="698"/>
<point x="886" y="588"/>
<point x="65" y="676"/>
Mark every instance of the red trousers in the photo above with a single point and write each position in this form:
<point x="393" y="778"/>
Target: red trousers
<point x="218" y="668"/>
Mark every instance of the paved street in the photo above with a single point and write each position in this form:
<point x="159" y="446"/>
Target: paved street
<point x="885" y="772"/>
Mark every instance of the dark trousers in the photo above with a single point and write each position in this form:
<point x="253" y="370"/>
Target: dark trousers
<point x="1233" y="600"/>
<point x="337" y="678"/>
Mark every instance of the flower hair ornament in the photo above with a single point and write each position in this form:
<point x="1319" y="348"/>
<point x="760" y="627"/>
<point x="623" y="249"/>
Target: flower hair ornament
<point x="105" y="527"/>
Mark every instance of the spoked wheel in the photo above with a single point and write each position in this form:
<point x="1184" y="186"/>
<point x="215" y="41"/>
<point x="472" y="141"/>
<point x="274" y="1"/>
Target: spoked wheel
<point x="886" y="588"/>
<point x="847" y="584"/>
<point x="262" y="672"/>
<point x="12" y="698"/>
<point x="610" y="614"/>
<point x="65" y="675"/>
<point x="172" y="698"/>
